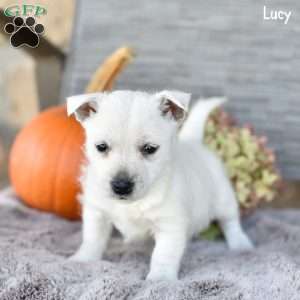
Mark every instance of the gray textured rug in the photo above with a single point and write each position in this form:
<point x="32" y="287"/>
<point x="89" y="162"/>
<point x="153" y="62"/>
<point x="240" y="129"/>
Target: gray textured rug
<point x="33" y="264"/>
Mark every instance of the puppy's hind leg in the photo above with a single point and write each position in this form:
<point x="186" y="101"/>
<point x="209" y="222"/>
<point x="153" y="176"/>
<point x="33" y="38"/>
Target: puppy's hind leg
<point x="234" y="234"/>
<point x="227" y="214"/>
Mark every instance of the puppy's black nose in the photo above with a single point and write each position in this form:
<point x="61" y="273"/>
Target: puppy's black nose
<point x="122" y="185"/>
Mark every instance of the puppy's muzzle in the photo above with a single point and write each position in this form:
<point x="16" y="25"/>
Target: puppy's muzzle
<point x="122" y="185"/>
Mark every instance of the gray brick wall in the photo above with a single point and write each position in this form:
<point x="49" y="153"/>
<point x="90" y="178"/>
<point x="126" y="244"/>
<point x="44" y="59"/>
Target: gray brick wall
<point x="205" y="47"/>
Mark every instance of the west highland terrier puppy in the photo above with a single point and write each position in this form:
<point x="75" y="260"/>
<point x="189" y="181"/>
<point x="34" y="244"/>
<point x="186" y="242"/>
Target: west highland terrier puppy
<point x="149" y="174"/>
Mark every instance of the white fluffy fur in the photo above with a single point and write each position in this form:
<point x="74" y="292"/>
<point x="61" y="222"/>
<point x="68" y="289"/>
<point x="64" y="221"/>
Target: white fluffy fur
<point x="178" y="191"/>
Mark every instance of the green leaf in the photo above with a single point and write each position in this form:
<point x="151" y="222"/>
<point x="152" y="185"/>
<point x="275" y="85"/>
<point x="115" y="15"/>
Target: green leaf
<point x="212" y="233"/>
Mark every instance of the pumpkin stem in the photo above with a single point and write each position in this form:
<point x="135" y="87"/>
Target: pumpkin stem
<point x="105" y="75"/>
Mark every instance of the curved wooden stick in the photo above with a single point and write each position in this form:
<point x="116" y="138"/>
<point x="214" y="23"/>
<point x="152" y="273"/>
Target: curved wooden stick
<point x="104" y="77"/>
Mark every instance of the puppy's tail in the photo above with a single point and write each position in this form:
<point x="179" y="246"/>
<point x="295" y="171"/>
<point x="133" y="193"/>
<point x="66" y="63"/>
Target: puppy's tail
<point x="193" y="128"/>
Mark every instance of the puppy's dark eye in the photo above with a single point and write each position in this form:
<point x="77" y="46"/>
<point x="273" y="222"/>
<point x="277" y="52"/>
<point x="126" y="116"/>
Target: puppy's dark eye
<point x="103" y="147"/>
<point x="149" y="149"/>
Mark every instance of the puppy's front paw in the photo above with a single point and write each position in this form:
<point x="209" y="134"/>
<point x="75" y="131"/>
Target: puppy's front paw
<point x="79" y="257"/>
<point x="241" y="243"/>
<point x="156" y="276"/>
<point x="85" y="255"/>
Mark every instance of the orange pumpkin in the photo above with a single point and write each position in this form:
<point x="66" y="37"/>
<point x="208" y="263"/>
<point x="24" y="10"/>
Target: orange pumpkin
<point x="45" y="163"/>
<point x="46" y="157"/>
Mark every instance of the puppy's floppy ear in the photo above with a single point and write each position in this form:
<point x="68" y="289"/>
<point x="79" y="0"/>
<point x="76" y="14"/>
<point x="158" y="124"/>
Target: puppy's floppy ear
<point x="83" y="106"/>
<point x="174" y="104"/>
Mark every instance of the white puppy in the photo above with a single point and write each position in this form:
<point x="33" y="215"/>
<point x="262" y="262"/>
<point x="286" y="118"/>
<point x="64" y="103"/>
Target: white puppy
<point x="149" y="174"/>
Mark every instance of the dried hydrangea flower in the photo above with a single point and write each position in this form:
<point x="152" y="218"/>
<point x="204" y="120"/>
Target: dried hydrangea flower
<point x="249" y="162"/>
